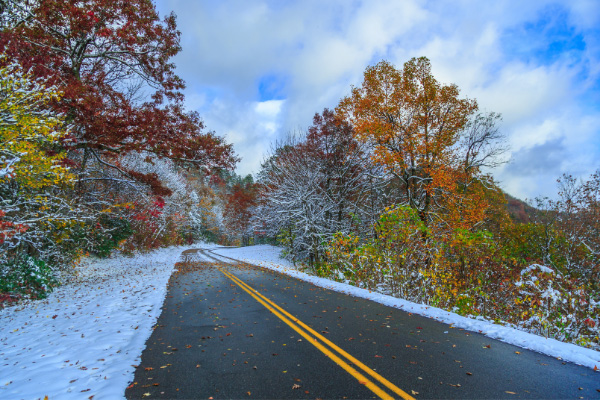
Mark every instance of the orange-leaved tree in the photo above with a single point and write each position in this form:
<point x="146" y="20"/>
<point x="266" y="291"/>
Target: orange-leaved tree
<point x="431" y="140"/>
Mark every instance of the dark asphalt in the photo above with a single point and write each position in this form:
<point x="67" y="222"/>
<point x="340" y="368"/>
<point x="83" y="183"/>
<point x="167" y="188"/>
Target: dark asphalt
<point x="213" y="340"/>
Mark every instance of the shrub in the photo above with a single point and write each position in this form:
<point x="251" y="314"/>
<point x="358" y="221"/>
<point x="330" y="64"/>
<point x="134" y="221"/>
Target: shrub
<point x="107" y="233"/>
<point x="27" y="277"/>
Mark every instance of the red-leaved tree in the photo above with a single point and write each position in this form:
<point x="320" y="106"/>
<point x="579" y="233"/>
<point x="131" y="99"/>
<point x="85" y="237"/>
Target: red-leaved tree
<point x="111" y="58"/>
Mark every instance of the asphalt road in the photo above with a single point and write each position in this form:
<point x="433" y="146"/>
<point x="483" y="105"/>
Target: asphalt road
<point x="236" y="331"/>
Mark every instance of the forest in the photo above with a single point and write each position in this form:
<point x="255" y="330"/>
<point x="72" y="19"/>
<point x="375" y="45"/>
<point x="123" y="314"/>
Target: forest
<point x="390" y="190"/>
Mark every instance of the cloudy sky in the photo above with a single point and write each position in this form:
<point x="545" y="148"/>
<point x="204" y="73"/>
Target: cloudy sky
<point x="257" y="70"/>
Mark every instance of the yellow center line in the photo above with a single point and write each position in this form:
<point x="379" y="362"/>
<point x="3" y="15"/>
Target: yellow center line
<point x="280" y="312"/>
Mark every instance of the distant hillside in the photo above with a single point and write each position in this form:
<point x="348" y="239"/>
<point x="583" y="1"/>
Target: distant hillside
<point x="518" y="210"/>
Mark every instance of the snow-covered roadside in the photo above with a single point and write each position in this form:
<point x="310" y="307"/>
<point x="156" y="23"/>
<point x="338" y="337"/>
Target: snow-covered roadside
<point x="268" y="257"/>
<point x="83" y="340"/>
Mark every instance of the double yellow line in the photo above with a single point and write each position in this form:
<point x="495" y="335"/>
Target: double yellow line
<point x="306" y="331"/>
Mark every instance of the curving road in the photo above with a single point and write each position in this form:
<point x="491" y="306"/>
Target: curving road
<point x="233" y="330"/>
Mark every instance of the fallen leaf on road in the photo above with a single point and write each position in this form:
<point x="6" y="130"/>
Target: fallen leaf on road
<point x="509" y="392"/>
<point x="517" y="352"/>
<point x="296" y="386"/>
<point x="148" y="369"/>
<point x="469" y="373"/>
<point x="414" y="393"/>
<point x="376" y="356"/>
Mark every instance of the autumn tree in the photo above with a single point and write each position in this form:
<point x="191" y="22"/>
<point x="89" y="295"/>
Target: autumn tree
<point x="121" y="94"/>
<point x="432" y="141"/>
<point x="240" y="198"/>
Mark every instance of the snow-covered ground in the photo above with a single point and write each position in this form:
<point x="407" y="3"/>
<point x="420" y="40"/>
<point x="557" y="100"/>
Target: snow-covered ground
<point x="86" y="337"/>
<point x="268" y="257"/>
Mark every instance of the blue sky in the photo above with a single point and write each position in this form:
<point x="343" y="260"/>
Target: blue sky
<point x="258" y="70"/>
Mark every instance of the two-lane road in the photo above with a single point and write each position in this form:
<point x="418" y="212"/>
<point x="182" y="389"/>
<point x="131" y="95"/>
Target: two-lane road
<point x="231" y="330"/>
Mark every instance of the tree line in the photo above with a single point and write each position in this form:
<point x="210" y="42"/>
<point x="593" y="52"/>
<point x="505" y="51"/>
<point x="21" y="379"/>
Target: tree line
<point x="391" y="190"/>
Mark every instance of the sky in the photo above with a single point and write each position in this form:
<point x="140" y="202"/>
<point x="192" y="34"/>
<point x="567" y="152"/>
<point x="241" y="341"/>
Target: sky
<point x="258" y="70"/>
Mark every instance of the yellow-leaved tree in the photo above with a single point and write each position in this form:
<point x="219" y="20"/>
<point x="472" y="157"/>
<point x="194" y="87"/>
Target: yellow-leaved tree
<point x="34" y="184"/>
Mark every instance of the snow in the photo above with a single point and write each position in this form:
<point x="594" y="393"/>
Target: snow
<point x="268" y="257"/>
<point x="86" y="337"/>
<point x="532" y="267"/>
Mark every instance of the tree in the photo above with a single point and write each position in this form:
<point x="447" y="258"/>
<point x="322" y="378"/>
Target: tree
<point x="237" y="211"/>
<point x="33" y="177"/>
<point x="316" y="186"/>
<point x="121" y="94"/>
<point x="428" y="138"/>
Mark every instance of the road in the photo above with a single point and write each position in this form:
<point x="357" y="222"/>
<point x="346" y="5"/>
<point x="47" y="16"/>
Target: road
<point x="235" y="331"/>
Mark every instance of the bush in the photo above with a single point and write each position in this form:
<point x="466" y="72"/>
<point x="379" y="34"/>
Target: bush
<point x="27" y="277"/>
<point x="107" y="233"/>
<point x="550" y="304"/>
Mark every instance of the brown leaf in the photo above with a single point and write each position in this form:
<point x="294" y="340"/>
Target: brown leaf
<point x="296" y="386"/>
<point x="148" y="369"/>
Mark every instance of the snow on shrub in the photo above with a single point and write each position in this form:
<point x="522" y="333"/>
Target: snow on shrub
<point x="552" y="305"/>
